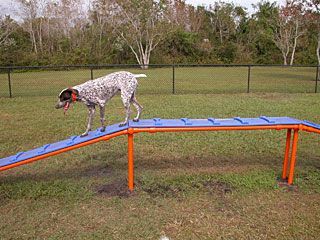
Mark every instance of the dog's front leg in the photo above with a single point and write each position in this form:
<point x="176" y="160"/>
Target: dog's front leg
<point x="102" y="119"/>
<point x="91" y="112"/>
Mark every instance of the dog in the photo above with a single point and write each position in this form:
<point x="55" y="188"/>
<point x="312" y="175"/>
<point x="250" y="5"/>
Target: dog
<point x="99" y="91"/>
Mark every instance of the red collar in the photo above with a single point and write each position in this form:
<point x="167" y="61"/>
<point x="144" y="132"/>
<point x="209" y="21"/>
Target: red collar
<point x="74" y="96"/>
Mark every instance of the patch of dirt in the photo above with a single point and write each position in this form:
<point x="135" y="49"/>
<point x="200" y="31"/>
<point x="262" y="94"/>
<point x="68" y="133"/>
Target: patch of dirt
<point x="117" y="188"/>
<point x="218" y="187"/>
<point x="284" y="185"/>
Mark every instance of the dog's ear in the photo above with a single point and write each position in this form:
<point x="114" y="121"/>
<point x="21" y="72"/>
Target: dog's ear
<point x="65" y="94"/>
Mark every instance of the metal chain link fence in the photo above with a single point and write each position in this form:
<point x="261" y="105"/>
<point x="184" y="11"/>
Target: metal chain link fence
<point x="165" y="79"/>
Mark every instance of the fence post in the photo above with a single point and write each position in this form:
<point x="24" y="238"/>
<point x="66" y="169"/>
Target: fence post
<point x="249" y="76"/>
<point x="173" y="79"/>
<point x="9" y="82"/>
<point x="317" y="79"/>
<point x="91" y="70"/>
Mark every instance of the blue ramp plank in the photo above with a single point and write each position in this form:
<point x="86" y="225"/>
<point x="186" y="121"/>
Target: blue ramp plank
<point x="228" y="122"/>
<point x="311" y="124"/>
<point x="48" y="148"/>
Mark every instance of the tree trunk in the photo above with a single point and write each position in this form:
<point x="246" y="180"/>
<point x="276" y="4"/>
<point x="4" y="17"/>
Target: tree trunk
<point x="284" y="59"/>
<point x="296" y="35"/>
<point x="318" y="49"/>
<point x="33" y="40"/>
<point x="40" y="36"/>
<point x="293" y="50"/>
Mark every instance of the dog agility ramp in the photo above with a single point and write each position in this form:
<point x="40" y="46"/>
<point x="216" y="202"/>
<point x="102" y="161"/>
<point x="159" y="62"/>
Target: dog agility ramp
<point x="71" y="143"/>
<point x="168" y="125"/>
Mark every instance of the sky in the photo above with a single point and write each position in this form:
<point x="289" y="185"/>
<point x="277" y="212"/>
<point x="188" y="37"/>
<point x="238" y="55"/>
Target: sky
<point x="6" y="6"/>
<point x="247" y="4"/>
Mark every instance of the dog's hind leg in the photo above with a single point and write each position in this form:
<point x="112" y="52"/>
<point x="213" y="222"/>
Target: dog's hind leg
<point x="137" y="106"/>
<point x="102" y="119"/>
<point x="91" y="110"/>
<point x="126" y="98"/>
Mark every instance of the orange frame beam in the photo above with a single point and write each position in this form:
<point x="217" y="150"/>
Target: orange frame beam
<point x="293" y="156"/>
<point x="289" y="128"/>
<point x="130" y="162"/>
<point x="286" y="156"/>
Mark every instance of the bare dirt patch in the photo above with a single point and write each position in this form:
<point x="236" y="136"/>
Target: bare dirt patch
<point x="117" y="188"/>
<point x="218" y="187"/>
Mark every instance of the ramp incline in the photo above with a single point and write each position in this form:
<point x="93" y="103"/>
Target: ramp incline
<point x="168" y="125"/>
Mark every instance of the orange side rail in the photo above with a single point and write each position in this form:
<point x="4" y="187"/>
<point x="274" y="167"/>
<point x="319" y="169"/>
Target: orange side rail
<point x="104" y="138"/>
<point x="213" y="128"/>
<point x="310" y="129"/>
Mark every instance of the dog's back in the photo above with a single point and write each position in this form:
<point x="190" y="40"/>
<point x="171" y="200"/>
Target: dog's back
<point x="100" y="90"/>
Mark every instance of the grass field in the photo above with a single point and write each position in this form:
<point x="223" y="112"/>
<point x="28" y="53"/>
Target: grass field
<point x="188" y="80"/>
<point x="218" y="185"/>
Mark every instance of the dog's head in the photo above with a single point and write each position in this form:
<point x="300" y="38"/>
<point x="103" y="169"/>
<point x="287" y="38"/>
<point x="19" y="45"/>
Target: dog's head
<point x="66" y="97"/>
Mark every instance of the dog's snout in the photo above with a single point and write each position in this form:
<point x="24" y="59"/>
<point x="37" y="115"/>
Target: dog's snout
<point x="59" y="105"/>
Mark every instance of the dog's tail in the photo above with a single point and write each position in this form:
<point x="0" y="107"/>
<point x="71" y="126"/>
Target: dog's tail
<point x="139" y="75"/>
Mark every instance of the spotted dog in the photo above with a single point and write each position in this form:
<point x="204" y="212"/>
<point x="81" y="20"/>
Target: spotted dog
<point x="97" y="93"/>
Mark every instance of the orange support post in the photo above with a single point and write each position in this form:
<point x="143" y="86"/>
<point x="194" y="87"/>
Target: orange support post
<point x="130" y="161"/>
<point x="286" y="155"/>
<point x="293" y="156"/>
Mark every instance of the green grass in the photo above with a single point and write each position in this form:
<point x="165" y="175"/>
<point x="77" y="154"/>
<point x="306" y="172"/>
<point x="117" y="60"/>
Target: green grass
<point x="217" y="185"/>
<point x="188" y="80"/>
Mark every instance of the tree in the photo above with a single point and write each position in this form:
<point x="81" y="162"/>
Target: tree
<point x="260" y="32"/>
<point x="289" y="28"/>
<point x="30" y="10"/>
<point x="142" y="25"/>
<point x="222" y="20"/>
<point x="7" y="27"/>
<point x="312" y="7"/>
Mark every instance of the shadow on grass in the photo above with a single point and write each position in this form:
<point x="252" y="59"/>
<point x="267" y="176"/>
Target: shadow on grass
<point x="77" y="172"/>
<point x="115" y="168"/>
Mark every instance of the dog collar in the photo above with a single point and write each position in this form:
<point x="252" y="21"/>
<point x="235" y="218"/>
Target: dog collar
<point x="74" y="96"/>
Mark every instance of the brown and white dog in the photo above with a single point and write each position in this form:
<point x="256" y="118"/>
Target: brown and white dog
<point x="97" y="92"/>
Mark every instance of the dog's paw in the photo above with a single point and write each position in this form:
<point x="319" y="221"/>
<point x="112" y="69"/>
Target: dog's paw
<point x="136" y="119"/>
<point x="103" y="129"/>
<point x="84" y="134"/>
<point x="123" y="124"/>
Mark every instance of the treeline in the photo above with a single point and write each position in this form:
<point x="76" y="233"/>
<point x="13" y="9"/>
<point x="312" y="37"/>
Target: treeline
<point x="163" y="31"/>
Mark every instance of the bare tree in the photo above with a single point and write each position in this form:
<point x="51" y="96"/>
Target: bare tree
<point x="196" y="17"/>
<point x="289" y="28"/>
<point x="222" y="20"/>
<point x="7" y="27"/>
<point x="142" y="25"/>
<point x="312" y="7"/>
<point x="29" y="13"/>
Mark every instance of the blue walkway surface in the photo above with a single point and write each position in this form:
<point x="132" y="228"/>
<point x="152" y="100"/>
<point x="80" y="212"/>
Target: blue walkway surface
<point x="154" y="123"/>
<point x="228" y="122"/>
